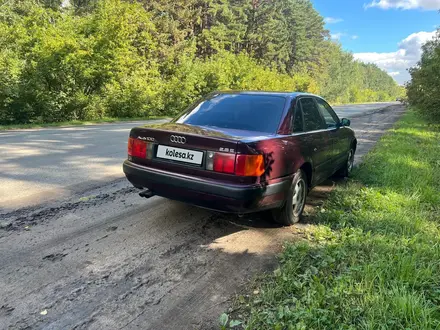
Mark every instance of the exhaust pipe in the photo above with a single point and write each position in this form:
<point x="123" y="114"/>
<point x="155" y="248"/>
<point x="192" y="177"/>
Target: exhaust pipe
<point x="146" y="193"/>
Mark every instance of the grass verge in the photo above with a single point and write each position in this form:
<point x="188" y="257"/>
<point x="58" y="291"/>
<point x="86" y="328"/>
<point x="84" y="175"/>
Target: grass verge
<point x="371" y="259"/>
<point x="76" y="123"/>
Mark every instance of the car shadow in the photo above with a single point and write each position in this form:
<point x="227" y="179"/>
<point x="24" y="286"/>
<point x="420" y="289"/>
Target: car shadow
<point x="315" y="200"/>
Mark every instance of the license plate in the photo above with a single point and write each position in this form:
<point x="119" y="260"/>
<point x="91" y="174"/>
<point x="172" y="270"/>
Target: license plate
<point x="180" y="155"/>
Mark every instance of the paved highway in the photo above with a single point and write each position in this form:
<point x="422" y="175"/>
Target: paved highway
<point x="37" y="165"/>
<point x="355" y="110"/>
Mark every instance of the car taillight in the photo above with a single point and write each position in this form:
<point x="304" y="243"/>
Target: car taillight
<point x="224" y="163"/>
<point x="243" y="165"/>
<point x="139" y="148"/>
<point x="249" y="165"/>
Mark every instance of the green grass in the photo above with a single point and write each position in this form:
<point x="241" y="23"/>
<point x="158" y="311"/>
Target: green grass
<point x="372" y="259"/>
<point x="76" y="122"/>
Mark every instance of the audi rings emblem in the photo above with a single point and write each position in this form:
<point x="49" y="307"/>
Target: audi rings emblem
<point x="178" y="139"/>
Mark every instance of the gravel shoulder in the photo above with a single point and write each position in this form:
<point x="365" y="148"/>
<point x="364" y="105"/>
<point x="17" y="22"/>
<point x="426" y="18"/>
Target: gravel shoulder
<point x="109" y="259"/>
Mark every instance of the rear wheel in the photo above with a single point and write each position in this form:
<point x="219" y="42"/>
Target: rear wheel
<point x="291" y="212"/>
<point x="345" y="170"/>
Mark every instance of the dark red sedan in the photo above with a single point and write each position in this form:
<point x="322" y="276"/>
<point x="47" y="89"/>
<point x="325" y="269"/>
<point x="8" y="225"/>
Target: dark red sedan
<point x="243" y="152"/>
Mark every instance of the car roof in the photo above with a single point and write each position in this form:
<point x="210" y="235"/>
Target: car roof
<point x="282" y="94"/>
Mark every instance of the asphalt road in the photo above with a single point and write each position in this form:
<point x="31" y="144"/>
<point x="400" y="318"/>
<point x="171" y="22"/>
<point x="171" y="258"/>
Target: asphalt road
<point x="39" y="165"/>
<point x="354" y="110"/>
<point x="113" y="260"/>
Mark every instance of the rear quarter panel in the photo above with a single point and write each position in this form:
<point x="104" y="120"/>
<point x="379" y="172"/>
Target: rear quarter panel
<point x="346" y="138"/>
<point x="282" y="156"/>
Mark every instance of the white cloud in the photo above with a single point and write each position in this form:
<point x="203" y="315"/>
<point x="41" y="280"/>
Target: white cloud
<point x="340" y="35"/>
<point x="398" y="62"/>
<point x="337" y="35"/>
<point x="332" y="20"/>
<point x="393" y="74"/>
<point x="405" y="4"/>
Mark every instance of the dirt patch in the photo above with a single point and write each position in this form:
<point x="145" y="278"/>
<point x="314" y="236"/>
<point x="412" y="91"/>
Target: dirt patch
<point x="23" y="219"/>
<point x="6" y="310"/>
<point x="55" y="256"/>
<point x="117" y="261"/>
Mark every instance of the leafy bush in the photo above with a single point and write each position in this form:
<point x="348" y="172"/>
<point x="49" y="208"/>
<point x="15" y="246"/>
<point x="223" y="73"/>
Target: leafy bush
<point x="226" y="71"/>
<point x="424" y="89"/>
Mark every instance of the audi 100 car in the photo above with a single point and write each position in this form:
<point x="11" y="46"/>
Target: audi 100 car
<point x="243" y="152"/>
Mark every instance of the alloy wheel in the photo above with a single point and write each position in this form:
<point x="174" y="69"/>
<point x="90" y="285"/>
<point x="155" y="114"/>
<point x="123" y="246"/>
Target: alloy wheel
<point x="299" y="197"/>
<point x="350" y="161"/>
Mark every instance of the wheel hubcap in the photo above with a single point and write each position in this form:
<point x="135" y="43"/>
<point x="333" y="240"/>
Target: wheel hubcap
<point x="350" y="161"/>
<point x="299" y="196"/>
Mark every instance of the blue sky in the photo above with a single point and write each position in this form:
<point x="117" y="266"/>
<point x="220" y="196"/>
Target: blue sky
<point x="386" y="32"/>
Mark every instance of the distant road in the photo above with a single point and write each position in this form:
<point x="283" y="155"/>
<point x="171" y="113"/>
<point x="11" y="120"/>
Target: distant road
<point x="354" y="110"/>
<point x="37" y="165"/>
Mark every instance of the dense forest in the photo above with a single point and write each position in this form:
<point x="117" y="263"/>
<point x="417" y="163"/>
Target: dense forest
<point x="89" y="59"/>
<point x="423" y="91"/>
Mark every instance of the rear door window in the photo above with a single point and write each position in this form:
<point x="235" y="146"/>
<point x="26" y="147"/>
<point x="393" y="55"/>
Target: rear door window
<point x="330" y="117"/>
<point x="260" y="113"/>
<point x="312" y="118"/>
<point x="297" y="120"/>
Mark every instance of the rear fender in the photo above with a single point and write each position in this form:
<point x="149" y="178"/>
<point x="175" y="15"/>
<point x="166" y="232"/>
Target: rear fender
<point x="307" y="167"/>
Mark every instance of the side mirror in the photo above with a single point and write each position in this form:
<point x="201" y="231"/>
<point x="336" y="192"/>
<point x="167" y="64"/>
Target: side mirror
<point x="345" y="122"/>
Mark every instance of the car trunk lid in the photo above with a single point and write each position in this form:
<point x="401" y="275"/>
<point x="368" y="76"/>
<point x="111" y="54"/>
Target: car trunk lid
<point x="188" y="137"/>
<point x="184" y="149"/>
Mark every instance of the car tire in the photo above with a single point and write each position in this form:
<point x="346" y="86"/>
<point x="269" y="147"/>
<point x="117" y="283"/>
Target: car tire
<point x="291" y="212"/>
<point x="346" y="169"/>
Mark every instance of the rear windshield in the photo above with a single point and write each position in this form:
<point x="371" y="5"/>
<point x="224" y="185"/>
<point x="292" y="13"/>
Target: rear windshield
<point x="260" y="113"/>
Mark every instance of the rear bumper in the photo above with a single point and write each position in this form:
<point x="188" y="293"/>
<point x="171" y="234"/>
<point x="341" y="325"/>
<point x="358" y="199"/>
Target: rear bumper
<point x="207" y="193"/>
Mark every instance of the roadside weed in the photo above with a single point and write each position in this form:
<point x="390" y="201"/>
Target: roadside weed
<point x="225" y="323"/>
<point x="105" y="120"/>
